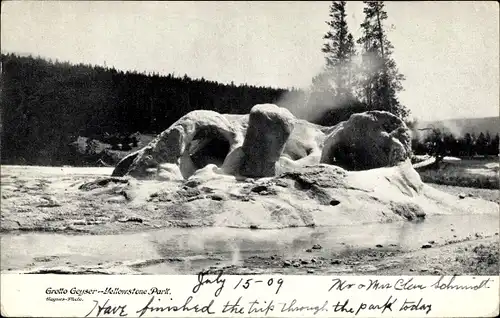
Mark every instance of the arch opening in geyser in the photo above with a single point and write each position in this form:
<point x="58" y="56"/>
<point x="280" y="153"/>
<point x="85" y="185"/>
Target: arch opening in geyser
<point x="350" y="157"/>
<point x="208" y="146"/>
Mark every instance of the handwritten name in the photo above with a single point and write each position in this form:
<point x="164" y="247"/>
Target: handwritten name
<point x="401" y="284"/>
<point x="445" y="284"/>
<point x="407" y="284"/>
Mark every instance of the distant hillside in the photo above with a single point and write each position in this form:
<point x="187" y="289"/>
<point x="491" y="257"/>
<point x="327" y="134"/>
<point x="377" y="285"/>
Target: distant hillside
<point x="465" y="125"/>
<point x="47" y="105"/>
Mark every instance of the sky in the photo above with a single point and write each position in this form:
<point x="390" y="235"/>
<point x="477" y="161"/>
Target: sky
<point x="448" y="51"/>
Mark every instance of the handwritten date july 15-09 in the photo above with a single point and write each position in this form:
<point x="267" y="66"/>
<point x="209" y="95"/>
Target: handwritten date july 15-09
<point x="243" y="283"/>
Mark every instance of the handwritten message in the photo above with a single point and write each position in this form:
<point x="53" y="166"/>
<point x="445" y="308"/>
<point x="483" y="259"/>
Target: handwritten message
<point x="217" y="294"/>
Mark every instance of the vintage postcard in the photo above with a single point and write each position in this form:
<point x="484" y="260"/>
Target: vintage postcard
<point x="263" y="159"/>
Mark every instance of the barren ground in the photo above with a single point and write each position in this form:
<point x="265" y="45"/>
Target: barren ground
<point x="42" y="233"/>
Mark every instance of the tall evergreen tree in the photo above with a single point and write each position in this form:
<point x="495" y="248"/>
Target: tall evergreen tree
<point x="494" y="145"/>
<point x="337" y="76"/>
<point x="339" y="50"/>
<point x="481" y="144"/>
<point x="332" y="91"/>
<point x="380" y="79"/>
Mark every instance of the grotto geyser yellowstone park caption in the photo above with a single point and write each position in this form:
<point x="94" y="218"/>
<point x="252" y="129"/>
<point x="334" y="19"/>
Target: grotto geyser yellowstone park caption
<point x="220" y="295"/>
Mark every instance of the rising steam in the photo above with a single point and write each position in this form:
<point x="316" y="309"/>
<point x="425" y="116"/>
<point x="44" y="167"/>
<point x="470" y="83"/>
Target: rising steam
<point x="236" y="258"/>
<point x="424" y="129"/>
<point x="312" y="102"/>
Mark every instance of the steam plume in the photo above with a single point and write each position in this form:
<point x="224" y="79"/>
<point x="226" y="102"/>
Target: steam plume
<point x="312" y="102"/>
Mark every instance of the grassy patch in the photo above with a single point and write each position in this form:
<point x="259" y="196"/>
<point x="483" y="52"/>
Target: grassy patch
<point x="465" y="173"/>
<point x="482" y="259"/>
<point x="492" y="195"/>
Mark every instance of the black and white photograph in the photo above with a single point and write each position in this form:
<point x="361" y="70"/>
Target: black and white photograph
<point x="250" y="138"/>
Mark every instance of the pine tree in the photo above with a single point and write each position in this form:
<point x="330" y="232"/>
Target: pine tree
<point x="339" y="51"/>
<point x="481" y="144"/>
<point x="487" y="143"/>
<point x="380" y="79"/>
<point x="467" y="143"/>
<point x="494" y="148"/>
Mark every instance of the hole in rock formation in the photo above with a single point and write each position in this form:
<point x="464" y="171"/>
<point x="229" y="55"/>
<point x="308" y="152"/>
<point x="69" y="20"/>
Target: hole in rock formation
<point x="350" y="157"/>
<point x="208" y="146"/>
<point x="297" y="153"/>
<point x="334" y="202"/>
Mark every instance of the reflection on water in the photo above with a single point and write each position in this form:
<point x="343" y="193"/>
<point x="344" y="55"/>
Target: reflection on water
<point x="231" y="246"/>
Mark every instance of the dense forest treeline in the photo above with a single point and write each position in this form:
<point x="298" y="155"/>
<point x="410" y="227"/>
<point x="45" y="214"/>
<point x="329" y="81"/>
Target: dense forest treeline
<point x="440" y="144"/>
<point x="46" y="105"/>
